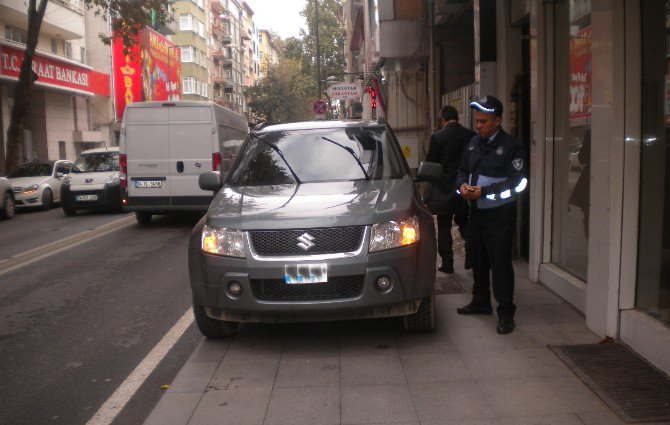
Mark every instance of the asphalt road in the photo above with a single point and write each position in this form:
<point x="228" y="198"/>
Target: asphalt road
<point x="73" y="326"/>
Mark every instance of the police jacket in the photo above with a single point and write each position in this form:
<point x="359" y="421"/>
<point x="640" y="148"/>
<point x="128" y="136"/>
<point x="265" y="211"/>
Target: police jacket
<point x="447" y="147"/>
<point x="497" y="166"/>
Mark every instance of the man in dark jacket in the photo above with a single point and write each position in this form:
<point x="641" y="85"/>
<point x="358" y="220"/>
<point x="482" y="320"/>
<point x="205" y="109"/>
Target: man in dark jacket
<point x="491" y="175"/>
<point x="446" y="147"/>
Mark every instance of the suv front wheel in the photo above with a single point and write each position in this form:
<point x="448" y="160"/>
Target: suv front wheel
<point x="213" y="328"/>
<point x="424" y="318"/>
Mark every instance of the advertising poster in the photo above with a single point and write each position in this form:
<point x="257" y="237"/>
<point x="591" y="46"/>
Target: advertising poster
<point x="580" y="78"/>
<point x="151" y="72"/>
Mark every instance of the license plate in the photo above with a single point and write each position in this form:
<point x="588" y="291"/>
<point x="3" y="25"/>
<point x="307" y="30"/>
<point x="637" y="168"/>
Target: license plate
<point x="306" y="273"/>
<point x="86" y="197"/>
<point x="148" y="184"/>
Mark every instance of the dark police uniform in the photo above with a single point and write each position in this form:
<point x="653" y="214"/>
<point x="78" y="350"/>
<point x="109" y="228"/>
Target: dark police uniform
<point x="447" y="147"/>
<point x="497" y="166"/>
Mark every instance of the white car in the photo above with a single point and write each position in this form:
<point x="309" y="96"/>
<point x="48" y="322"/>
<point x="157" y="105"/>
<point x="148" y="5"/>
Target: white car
<point x="6" y="199"/>
<point x="94" y="182"/>
<point x="37" y="184"/>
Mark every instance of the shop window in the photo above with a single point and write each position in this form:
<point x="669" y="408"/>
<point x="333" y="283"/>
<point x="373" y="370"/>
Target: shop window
<point x="653" y="260"/>
<point x="572" y="137"/>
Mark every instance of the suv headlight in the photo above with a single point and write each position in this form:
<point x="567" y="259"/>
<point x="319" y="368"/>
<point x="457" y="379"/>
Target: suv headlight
<point x="31" y="189"/>
<point x="394" y="234"/>
<point x="67" y="179"/>
<point x="114" y="178"/>
<point x="221" y="241"/>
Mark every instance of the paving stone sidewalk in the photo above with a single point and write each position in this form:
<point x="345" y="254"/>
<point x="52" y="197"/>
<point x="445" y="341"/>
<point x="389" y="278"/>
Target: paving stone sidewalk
<point x="373" y="372"/>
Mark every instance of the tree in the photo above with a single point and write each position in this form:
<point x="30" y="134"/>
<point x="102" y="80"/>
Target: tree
<point x="130" y="16"/>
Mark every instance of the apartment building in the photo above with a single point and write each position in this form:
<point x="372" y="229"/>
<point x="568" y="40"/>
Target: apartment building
<point x="193" y="36"/>
<point x="267" y="51"/>
<point x="70" y="108"/>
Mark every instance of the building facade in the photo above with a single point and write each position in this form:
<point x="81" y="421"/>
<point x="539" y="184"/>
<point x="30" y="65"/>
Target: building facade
<point x="267" y="51"/>
<point x="585" y="87"/>
<point x="194" y="29"/>
<point x="70" y="108"/>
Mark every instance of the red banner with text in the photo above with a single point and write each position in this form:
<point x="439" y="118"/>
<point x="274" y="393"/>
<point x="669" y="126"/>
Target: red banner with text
<point x="580" y="77"/>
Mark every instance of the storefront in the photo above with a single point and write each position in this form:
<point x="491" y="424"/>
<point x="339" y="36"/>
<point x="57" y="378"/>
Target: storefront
<point x="600" y="170"/>
<point x="65" y="95"/>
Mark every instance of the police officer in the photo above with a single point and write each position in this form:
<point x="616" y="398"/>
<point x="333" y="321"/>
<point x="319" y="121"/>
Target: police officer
<point x="446" y="147"/>
<point x="490" y="177"/>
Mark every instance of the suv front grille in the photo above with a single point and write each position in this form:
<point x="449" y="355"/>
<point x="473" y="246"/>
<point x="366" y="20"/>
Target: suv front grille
<point x="330" y="240"/>
<point x="337" y="287"/>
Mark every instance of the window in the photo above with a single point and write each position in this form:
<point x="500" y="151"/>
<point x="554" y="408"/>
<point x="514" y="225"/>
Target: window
<point x="54" y="45"/>
<point x="205" y="90"/>
<point x="201" y="4"/>
<point x="15" y="34"/>
<point x="82" y="54"/>
<point x="187" y="53"/>
<point x="68" y="50"/>
<point x="188" y="85"/>
<point x="201" y="28"/>
<point x="185" y="22"/>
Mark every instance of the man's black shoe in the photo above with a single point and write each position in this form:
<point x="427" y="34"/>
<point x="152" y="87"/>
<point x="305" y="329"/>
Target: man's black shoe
<point x="446" y="269"/>
<point x="470" y="309"/>
<point x="505" y="326"/>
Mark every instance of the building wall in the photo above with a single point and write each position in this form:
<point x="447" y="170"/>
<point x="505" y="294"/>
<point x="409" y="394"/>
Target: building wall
<point x="191" y="38"/>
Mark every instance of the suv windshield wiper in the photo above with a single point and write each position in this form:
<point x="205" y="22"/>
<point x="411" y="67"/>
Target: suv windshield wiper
<point x="279" y="152"/>
<point x="351" y="151"/>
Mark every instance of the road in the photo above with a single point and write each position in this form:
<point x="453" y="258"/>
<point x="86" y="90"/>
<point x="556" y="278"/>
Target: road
<point x="74" y="325"/>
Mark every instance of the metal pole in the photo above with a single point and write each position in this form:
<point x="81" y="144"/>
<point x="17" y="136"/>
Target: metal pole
<point x="318" y="48"/>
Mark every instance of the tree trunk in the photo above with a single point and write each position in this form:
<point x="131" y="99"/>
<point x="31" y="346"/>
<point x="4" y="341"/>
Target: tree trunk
<point x="24" y="87"/>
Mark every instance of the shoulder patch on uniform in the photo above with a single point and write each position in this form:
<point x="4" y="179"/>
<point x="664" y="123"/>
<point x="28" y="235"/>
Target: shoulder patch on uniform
<point x="517" y="164"/>
<point x="500" y="151"/>
<point x="471" y="147"/>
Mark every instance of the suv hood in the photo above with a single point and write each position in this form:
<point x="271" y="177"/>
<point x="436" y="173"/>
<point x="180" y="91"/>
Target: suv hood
<point x="28" y="181"/>
<point x="327" y="204"/>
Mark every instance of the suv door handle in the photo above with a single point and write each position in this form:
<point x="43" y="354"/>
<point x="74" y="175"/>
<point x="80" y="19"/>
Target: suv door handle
<point x="180" y="166"/>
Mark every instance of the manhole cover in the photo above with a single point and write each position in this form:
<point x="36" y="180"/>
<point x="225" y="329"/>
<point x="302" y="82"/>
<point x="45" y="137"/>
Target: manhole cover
<point x="629" y="385"/>
<point x="447" y="285"/>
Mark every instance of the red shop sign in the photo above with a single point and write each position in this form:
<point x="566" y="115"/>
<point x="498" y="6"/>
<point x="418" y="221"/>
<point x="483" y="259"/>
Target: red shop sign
<point x="54" y="73"/>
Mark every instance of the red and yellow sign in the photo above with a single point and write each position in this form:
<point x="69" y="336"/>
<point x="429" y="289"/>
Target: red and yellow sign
<point x="54" y="73"/>
<point x="152" y="71"/>
<point x="580" y="78"/>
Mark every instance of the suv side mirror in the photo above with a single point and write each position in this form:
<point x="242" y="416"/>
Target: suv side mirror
<point x="429" y="171"/>
<point x="210" y="180"/>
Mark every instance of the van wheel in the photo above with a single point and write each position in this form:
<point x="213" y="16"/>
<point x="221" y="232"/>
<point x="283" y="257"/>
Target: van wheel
<point x="143" y="218"/>
<point x="424" y="319"/>
<point x="47" y="199"/>
<point x="7" y="207"/>
<point x="213" y="328"/>
<point x="68" y="211"/>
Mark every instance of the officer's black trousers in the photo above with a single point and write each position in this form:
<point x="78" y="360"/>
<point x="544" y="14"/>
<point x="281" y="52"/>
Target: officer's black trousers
<point x="445" y="244"/>
<point x="491" y="232"/>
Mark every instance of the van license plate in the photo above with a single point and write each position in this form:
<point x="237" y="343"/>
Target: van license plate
<point x="306" y="273"/>
<point x="150" y="184"/>
<point x="86" y="197"/>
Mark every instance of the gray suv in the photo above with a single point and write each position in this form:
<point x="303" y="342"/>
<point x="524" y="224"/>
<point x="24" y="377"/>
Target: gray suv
<point x="315" y="221"/>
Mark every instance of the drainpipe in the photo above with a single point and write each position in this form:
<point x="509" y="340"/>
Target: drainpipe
<point x="431" y="66"/>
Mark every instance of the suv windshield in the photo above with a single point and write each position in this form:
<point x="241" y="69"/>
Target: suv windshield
<point x="30" y="170"/>
<point x="318" y="155"/>
<point x="96" y="162"/>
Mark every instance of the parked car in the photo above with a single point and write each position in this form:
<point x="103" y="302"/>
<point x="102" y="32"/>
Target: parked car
<point x="37" y="184"/>
<point x="165" y="146"/>
<point x="7" y="198"/>
<point x="93" y="183"/>
<point x="315" y="221"/>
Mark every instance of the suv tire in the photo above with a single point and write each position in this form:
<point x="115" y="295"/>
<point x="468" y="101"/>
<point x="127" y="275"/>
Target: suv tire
<point x="213" y="328"/>
<point x="7" y="207"/>
<point x="47" y="199"/>
<point x="143" y="218"/>
<point x="424" y="319"/>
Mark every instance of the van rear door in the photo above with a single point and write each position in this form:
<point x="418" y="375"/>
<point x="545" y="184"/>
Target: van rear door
<point x="191" y="137"/>
<point x="148" y="156"/>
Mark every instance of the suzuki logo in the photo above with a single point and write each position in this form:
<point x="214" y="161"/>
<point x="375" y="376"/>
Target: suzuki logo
<point x="306" y="241"/>
<point x="88" y="180"/>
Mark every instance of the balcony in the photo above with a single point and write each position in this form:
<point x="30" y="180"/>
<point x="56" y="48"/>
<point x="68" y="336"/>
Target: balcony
<point x="75" y="5"/>
<point x="218" y="54"/>
<point x="219" y="79"/>
<point x="227" y="60"/>
<point x="218" y="29"/>
<point x="226" y="38"/>
<point x="217" y="6"/>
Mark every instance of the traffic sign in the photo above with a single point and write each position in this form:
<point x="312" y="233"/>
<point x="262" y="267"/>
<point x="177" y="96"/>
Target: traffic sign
<point x="320" y="107"/>
<point x="341" y="91"/>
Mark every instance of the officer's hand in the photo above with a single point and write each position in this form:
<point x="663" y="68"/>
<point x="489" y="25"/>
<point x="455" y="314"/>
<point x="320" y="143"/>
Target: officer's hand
<point x="477" y="193"/>
<point x="464" y="191"/>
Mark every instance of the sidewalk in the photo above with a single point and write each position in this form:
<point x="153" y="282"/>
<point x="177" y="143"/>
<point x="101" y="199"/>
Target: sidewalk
<point x="373" y="372"/>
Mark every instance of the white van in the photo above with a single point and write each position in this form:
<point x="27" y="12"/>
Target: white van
<point x="165" y="146"/>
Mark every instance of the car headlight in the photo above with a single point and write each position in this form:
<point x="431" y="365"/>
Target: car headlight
<point x="221" y="241"/>
<point x="114" y="178"/>
<point x="67" y="180"/>
<point x="31" y="189"/>
<point x="394" y="234"/>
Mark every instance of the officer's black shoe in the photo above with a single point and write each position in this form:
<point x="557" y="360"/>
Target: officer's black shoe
<point x="446" y="269"/>
<point x="470" y="309"/>
<point x="505" y="326"/>
<point x="468" y="263"/>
